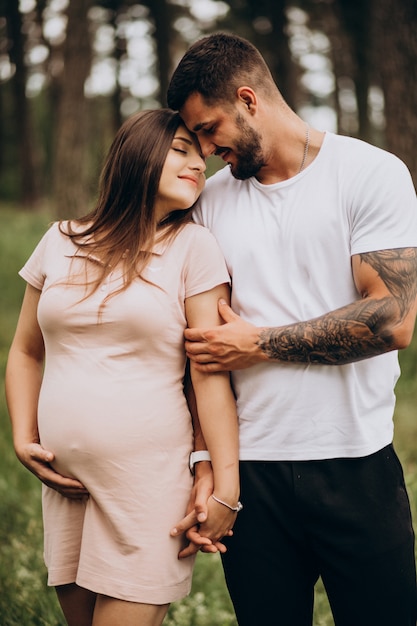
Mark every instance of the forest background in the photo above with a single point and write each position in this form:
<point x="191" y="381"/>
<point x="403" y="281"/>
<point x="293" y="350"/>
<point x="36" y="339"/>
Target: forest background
<point x="70" y="73"/>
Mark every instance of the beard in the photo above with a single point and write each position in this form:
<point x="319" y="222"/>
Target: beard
<point x="248" y="151"/>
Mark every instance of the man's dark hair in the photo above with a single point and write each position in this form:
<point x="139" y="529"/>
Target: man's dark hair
<point x="215" y="67"/>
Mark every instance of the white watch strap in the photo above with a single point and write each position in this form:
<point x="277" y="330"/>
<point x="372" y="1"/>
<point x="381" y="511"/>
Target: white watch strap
<point x="198" y="455"/>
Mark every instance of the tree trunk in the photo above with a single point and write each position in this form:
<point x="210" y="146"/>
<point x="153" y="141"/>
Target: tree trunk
<point x="160" y="11"/>
<point x="356" y="19"/>
<point x="396" y="50"/>
<point x="28" y="188"/>
<point x="264" y="22"/>
<point x="70" y="169"/>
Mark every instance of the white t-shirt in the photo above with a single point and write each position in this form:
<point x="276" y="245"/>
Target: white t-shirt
<point x="288" y="249"/>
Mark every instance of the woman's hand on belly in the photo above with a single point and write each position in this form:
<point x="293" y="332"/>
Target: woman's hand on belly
<point x="38" y="461"/>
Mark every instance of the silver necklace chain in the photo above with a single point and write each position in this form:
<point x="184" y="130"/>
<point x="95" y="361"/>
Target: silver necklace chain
<point x="306" y="147"/>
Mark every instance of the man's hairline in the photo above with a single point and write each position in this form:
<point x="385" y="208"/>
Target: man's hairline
<point x="208" y="101"/>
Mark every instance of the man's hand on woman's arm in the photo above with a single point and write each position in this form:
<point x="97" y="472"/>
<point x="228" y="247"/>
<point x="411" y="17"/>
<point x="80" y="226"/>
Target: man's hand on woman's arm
<point x="380" y="320"/>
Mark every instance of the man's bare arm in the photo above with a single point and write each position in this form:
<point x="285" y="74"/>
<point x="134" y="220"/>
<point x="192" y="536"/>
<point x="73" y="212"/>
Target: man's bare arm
<point x="360" y="330"/>
<point x="382" y="319"/>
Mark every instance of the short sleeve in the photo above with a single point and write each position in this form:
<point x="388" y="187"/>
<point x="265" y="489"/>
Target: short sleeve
<point x="205" y="267"/>
<point x="34" y="270"/>
<point x="384" y="213"/>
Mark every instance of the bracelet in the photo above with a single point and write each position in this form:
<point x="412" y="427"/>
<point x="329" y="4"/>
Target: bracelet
<point x="196" y="457"/>
<point x="236" y="509"/>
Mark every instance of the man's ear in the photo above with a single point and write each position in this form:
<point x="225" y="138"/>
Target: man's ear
<point x="248" y="97"/>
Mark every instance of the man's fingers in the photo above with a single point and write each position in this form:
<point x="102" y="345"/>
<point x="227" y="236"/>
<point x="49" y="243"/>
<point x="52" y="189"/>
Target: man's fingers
<point x="193" y="549"/>
<point x="194" y="352"/>
<point x="204" y="358"/>
<point x="194" y="536"/>
<point x="196" y="347"/>
<point x="194" y="334"/>
<point x="188" y="551"/>
<point x="210" y="367"/>
<point x="220" y="547"/>
<point x="197" y="542"/>
<point x="210" y="549"/>
<point x="226" y="312"/>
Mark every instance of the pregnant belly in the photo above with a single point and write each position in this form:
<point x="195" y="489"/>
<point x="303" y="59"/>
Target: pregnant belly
<point x="88" y="433"/>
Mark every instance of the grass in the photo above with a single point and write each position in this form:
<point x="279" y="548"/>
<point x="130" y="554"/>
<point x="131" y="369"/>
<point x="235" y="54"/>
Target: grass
<point x="25" y="599"/>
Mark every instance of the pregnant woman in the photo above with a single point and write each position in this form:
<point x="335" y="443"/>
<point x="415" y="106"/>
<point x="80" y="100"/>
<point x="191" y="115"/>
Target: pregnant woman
<point x="95" y="381"/>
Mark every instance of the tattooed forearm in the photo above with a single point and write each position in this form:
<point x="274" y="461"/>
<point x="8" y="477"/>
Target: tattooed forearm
<point x="357" y="331"/>
<point x="343" y="336"/>
<point x="398" y="269"/>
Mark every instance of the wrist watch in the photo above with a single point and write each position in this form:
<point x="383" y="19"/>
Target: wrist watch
<point x="196" y="457"/>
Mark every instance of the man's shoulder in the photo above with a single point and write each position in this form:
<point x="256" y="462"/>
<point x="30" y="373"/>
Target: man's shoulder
<point x="358" y="148"/>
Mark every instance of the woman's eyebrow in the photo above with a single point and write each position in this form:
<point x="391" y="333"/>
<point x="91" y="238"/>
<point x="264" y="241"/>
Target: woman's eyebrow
<point x="184" y="139"/>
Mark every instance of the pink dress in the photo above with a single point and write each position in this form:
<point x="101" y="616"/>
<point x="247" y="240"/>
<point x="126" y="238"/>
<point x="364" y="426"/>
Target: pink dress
<point x="113" y="411"/>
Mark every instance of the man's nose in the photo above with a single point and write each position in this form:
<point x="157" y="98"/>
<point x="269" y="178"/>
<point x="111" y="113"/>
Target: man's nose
<point x="207" y="147"/>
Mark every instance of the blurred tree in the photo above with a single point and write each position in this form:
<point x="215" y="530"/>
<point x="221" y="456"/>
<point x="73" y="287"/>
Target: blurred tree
<point x="46" y="101"/>
<point x="161" y="13"/>
<point x="119" y="51"/>
<point x="264" y="22"/>
<point x="270" y="23"/>
<point x="355" y="16"/>
<point x="22" y="117"/>
<point x="374" y="45"/>
<point x="345" y="23"/>
<point x="70" y="181"/>
<point x="395" y="58"/>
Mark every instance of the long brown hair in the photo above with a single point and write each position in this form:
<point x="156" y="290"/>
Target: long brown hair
<point x="122" y="228"/>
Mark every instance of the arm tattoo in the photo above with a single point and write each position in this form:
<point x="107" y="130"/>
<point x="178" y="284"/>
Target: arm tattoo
<point x="359" y="330"/>
<point x="398" y="269"/>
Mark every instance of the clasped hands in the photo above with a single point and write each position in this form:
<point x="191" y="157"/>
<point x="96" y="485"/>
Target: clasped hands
<point x="231" y="346"/>
<point x="207" y="521"/>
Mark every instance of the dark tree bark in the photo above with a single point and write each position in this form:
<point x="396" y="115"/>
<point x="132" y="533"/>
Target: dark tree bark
<point x="396" y="59"/>
<point x="246" y="19"/>
<point x="70" y="167"/>
<point x="120" y="50"/>
<point x="356" y="19"/>
<point x="328" y="18"/>
<point x="160" y="11"/>
<point x="22" y="119"/>
<point x="275" y="46"/>
<point x="115" y="7"/>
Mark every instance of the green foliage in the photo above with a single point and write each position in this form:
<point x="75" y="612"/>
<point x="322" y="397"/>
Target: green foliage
<point x="209" y="603"/>
<point x="19" y="233"/>
<point x="25" y="600"/>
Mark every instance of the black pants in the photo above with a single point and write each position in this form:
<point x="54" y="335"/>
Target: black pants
<point x="346" y="520"/>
